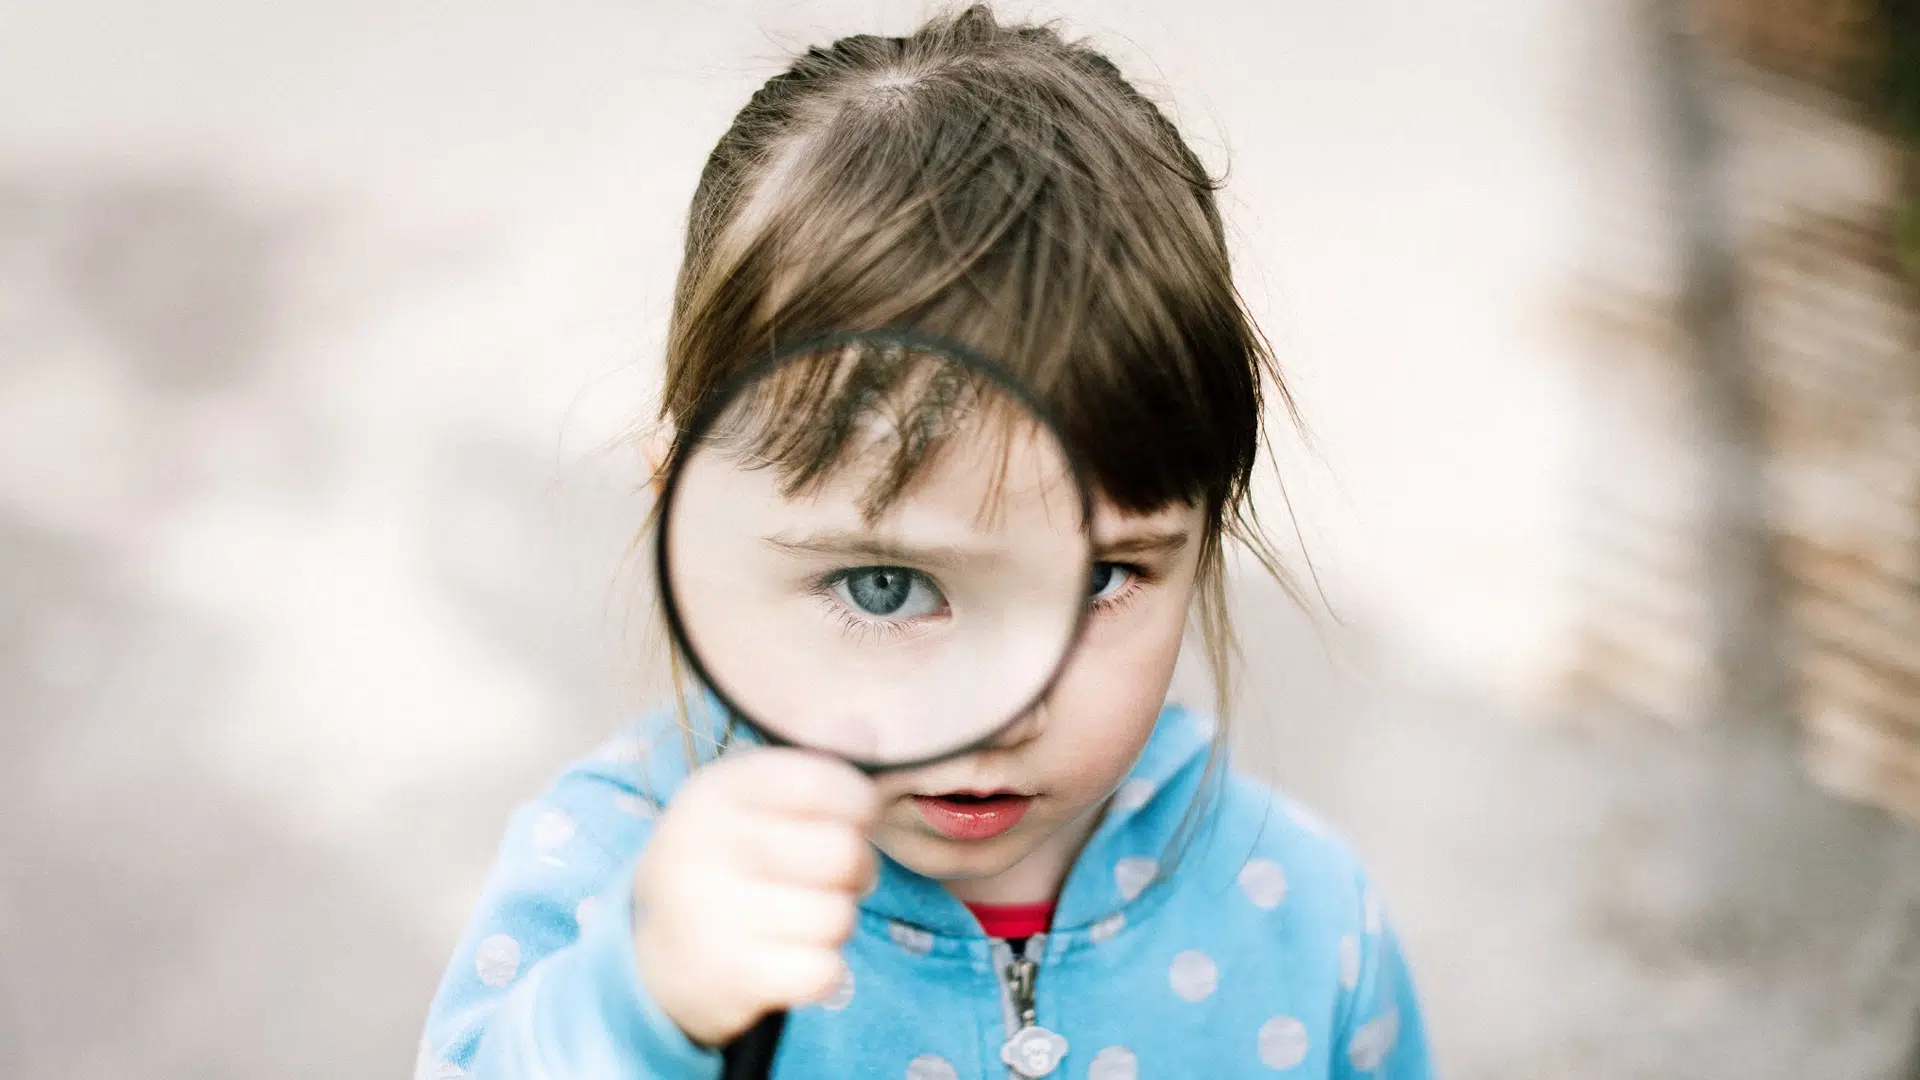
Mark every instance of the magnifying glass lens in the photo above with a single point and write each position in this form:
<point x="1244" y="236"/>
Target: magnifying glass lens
<point x="875" y="548"/>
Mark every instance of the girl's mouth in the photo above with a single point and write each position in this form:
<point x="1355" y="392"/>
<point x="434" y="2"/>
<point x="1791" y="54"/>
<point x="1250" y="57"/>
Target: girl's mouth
<point x="962" y="815"/>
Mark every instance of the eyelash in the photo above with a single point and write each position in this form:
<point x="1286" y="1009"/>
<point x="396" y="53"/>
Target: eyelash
<point x="1137" y="576"/>
<point x="860" y="629"/>
<point x="855" y="625"/>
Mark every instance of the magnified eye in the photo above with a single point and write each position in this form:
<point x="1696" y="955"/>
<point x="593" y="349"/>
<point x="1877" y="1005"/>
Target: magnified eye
<point x="889" y="592"/>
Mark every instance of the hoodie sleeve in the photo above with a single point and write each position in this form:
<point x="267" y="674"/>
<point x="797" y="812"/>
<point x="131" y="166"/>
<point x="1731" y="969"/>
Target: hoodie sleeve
<point x="1381" y="1035"/>
<point x="544" y="983"/>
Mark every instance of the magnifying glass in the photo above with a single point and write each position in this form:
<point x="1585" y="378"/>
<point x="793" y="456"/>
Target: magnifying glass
<point x="875" y="545"/>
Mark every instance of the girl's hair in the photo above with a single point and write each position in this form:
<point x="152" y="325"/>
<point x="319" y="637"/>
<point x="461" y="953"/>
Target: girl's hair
<point x="1007" y="188"/>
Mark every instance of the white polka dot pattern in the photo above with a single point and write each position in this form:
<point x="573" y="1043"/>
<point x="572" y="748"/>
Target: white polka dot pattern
<point x="842" y="995"/>
<point x="1374" y="1040"/>
<point x="931" y="1067"/>
<point x="1133" y="794"/>
<point x="1264" y="883"/>
<point x="911" y="938"/>
<point x="497" y="960"/>
<point x="1107" y="927"/>
<point x="585" y="913"/>
<point x="1204" y="726"/>
<point x="552" y="830"/>
<point x="1132" y="874"/>
<point x="1376" y="916"/>
<point x="1114" y="1063"/>
<point x="1193" y="975"/>
<point x="1349" y="962"/>
<point x="1283" y="1043"/>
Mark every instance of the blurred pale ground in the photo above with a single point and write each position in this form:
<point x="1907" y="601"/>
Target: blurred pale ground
<point x="314" y="319"/>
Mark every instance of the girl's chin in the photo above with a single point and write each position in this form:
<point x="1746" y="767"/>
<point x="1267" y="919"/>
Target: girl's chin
<point x="936" y="857"/>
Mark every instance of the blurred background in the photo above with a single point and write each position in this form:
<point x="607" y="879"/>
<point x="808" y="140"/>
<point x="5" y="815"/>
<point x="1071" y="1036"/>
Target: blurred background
<point x="319" y="324"/>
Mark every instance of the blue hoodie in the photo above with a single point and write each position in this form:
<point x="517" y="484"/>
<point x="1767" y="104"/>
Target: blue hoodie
<point x="1257" y="949"/>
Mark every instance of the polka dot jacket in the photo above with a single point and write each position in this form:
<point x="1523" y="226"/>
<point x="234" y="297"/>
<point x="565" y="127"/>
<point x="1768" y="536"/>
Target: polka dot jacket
<point x="1258" y="950"/>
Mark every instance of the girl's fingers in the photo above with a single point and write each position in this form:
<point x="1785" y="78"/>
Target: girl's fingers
<point x="812" y="853"/>
<point x="799" y="916"/>
<point x="789" y="975"/>
<point x="797" y="783"/>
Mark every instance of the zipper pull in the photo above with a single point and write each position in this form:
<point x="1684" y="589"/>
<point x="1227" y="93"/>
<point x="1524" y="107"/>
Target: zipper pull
<point x="1033" y="1051"/>
<point x="1020" y="976"/>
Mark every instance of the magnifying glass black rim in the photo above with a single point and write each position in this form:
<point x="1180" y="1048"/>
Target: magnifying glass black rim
<point x="709" y="414"/>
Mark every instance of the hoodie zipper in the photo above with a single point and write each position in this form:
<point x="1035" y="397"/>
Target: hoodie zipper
<point x="1030" y="1051"/>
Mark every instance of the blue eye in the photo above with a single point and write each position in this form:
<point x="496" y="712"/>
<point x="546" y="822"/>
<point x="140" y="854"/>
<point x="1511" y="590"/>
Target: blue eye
<point x="1110" y="578"/>
<point x="892" y="592"/>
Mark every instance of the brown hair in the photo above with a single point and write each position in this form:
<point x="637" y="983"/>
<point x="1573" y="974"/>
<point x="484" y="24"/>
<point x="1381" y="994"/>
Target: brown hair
<point x="1007" y="188"/>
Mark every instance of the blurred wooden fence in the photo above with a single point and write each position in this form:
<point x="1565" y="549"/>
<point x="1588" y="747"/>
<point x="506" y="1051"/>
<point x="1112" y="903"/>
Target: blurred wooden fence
<point x="1834" y="331"/>
<point x="1830" y="44"/>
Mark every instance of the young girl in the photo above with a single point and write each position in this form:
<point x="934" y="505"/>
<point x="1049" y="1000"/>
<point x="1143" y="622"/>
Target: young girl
<point x="1133" y="911"/>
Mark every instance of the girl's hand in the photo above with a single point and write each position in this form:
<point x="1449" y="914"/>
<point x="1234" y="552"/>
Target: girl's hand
<point x="750" y="887"/>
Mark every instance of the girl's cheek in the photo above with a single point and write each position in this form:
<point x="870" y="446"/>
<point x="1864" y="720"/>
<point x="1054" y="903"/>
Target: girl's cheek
<point x="1148" y="631"/>
<point x="1116" y="684"/>
<point x="1125" y="663"/>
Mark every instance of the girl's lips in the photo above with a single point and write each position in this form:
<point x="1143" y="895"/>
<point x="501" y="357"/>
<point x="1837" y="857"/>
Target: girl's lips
<point x="972" y="818"/>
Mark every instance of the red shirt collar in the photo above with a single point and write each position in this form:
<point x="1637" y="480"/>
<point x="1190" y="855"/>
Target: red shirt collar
<point x="1013" y="920"/>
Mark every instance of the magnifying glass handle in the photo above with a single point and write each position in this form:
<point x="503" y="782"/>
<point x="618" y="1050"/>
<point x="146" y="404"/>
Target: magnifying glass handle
<point x="750" y="1057"/>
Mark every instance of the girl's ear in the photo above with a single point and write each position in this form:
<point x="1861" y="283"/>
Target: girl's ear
<point x="654" y="448"/>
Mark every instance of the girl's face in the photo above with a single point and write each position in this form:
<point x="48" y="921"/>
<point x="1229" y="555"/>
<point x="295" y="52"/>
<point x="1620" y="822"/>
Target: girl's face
<point x="863" y="636"/>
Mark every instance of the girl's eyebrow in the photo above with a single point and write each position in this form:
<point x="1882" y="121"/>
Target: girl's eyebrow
<point x="866" y="546"/>
<point x="1146" y="543"/>
<point x="839" y="544"/>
